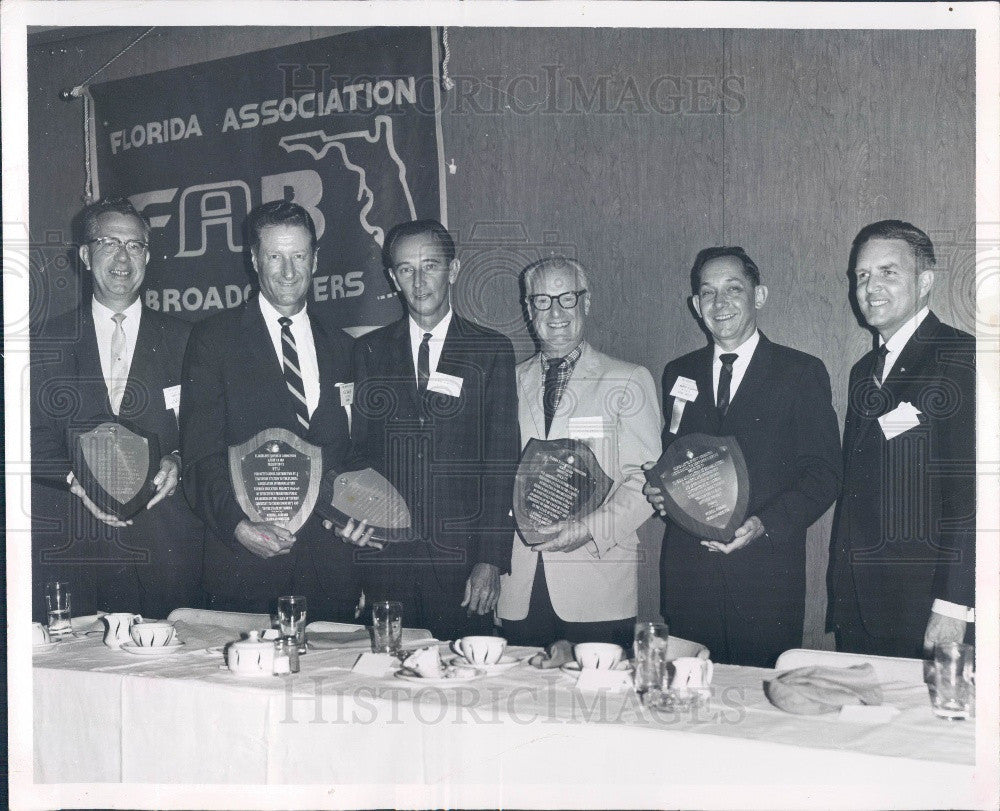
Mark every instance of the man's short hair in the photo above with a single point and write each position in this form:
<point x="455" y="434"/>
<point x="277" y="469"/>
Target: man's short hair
<point x="278" y="212"/>
<point x="113" y="205"/>
<point x="750" y="269"/>
<point x="923" y="248"/>
<point x="553" y="263"/>
<point x="431" y="228"/>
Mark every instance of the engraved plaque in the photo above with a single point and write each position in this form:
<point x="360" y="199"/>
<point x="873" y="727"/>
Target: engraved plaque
<point x="365" y="495"/>
<point x="115" y="464"/>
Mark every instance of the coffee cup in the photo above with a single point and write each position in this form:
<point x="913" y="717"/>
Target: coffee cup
<point x="480" y="650"/>
<point x="117" y="628"/>
<point x="691" y="673"/>
<point x="597" y="655"/>
<point x="39" y="634"/>
<point x="152" y="633"/>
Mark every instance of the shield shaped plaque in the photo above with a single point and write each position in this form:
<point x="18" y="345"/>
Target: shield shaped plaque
<point x="365" y="495"/>
<point x="705" y="484"/>
<point x="276" y="476"/>
<point x="557" y="480"/>
<point x="115" y="464"/>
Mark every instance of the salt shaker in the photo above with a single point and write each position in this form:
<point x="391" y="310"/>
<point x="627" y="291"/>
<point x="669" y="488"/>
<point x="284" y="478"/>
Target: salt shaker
<point x="292" y="651"/>
<point x="281" y="662"/>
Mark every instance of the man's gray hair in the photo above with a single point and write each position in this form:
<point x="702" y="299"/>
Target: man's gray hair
<point x="554" y="263"/>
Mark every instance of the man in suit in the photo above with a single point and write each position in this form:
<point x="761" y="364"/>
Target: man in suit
<point x="745" y="598"/>
<point x="267" y="364"/>
<point x="113" y="360"/>
<point x="581" y="584"/>
<point x="435" y="412"/>
<point x="902" y="556"/>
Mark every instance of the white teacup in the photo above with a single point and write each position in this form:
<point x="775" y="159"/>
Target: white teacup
<point x="691" y="673"/>
<point x="480" y="650"/>
<point x="153" y="633"/>
<point x="597" y="655"/>
<point x="39" y="634"/>
<point x="252" y="656"/>
<point x="117" y="628"/>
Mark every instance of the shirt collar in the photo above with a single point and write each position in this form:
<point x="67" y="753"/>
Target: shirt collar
<point x="438" y="333"/>
<point x="744" y="350"/>
<point x="101" y="312"/>
<point x="902" y="336"/>
<point x="271" y="315"/>
<point x="570" y="359"/>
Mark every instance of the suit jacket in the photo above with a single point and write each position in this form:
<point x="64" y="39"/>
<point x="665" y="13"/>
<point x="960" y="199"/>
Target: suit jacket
<point x="234" y="388"/>
<point x="904" y="532"/>
<point x="783" y="419"/>
<point x="598" y="581"/>
<point x="451" y="458"/>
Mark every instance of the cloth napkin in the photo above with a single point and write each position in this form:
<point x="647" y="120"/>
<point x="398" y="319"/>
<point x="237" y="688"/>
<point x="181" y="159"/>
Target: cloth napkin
<point x="325" y="635"/>
<point x="817" y="689"/>
<point x="196" y="635"/>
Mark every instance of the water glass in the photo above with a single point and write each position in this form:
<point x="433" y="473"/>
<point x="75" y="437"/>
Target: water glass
<point x="954" y="693"/>
<point x="57" y="603"/>
<point x="292" y="618"/>
<point x="387" y="627"/>
<point x="650" y="649"/>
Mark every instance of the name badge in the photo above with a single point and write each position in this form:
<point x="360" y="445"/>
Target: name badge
<point x="172" y="397"/>
<point x="445" y="384"/>
<point x="346" y="394"/>
<point x="685" y="389"/>
<point x="586" y="428"/>
<point x="901" y="419"/>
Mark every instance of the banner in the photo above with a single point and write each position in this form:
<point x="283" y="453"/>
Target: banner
<point x="345" y="126"/>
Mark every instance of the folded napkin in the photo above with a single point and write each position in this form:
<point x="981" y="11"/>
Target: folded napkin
<point x="325" y="635"/>
<point x="195" y="635"/>
<point x="815" y="690"/>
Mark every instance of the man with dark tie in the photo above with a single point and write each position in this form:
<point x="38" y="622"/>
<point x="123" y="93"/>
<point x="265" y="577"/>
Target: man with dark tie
<point x="267" y="364"/>
<point x="435" y="412"/>
<point x="113" y="360"/>
<point x="902" y="556"/>
<point x="745" y="598"/>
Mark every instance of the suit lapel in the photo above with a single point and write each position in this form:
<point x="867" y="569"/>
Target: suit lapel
<point x="530" y="384"/>
<point x="402" y="360"/>
<point x="753" y="379"/>
<point x="263" y="359"/>
<point x="704" y="404"/>
<point x="87" y="359"/>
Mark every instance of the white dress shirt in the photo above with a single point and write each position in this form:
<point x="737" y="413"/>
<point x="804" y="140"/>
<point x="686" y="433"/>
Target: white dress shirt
<point x="744" y="352"/>
<point x="304" y="346"/>
<point x="434" y="345"/>
<point x="900" y="339"/>
<point x="104" y="327"/>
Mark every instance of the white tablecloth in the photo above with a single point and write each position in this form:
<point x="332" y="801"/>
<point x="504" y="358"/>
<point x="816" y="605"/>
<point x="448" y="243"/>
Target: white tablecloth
<point x="107" y="716"/>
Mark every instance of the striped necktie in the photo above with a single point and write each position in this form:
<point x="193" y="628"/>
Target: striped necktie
<point x="293" y="375"/>
<point x="119" y="364"/>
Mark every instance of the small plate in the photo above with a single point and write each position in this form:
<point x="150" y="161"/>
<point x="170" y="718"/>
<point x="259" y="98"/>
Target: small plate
<point x="573" y="668"/>
<point x="461" y="676"/>
<point x="505" y="663"/>
<point x="157" y="650"/>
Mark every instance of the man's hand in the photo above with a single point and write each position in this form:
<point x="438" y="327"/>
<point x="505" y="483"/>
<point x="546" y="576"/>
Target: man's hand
<point x="567" y="536"/>
<point x="166" y="480"/>
<point x="264" y="539"/>
<point x="77" y="490"/>
<point x="941" y="628"/>
<point x="654" y="495"/>
<point x="556" y="655"/>
<point x="746" y="534"/>
<point x="482" y="589"/>
<point x="356" y="534"/>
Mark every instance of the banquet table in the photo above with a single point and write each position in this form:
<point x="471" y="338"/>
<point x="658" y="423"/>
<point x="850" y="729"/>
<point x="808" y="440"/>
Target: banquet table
<point x="102" y="715"/>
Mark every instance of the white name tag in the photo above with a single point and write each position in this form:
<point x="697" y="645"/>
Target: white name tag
<point x="445" y="384"/>
<point x="586" y="428"/>
<point x="378" y="665"/>
<point x="685" y="389"/>
<point x="346" y="394"/>
<point x="172" y="397"/>
<point x="901" y="419"/>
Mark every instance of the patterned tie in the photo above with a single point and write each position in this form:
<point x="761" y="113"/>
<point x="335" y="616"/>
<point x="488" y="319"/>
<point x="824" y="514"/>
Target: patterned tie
<point x="550" y="398"/>
<point x="725" y="379"/>
<point x="293" y="375"/>
<point x="424" y="363"/>
<point x="119" y="364"/>
<point x="878" y="369"/>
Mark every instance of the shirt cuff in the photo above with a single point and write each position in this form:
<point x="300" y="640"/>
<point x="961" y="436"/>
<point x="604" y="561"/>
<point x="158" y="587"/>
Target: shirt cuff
<point x="954" y="610"/>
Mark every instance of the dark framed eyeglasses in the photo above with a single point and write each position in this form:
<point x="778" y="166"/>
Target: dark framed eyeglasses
<point x="567" y="300"/>
<point x="134" y="247"/>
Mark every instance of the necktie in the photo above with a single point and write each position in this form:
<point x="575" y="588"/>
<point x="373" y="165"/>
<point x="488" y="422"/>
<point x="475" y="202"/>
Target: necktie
<point x="725" y="379"/>
<point x="550" y="398"/>
<point x="878" y="369"/>
<point x="119" y="364"/>
<point x="424" y="363"/>
<point x="293" y="375"/>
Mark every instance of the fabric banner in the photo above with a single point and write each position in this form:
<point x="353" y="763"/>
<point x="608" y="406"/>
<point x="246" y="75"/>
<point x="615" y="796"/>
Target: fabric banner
<point x="346" y="126"/>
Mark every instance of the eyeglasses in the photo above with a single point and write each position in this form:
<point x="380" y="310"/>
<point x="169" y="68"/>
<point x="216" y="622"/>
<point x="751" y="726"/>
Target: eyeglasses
<point x="134" y="247"/>
<point x="567" y="300"/>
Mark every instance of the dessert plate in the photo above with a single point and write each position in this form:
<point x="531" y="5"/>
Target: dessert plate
<point x="459" y="676"/>
<point x="157" y="650"/>
<point x="506" y="663"/>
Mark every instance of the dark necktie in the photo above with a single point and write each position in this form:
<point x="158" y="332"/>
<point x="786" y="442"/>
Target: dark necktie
<point x="878" y="369"/>
<point x="424" y="363"/>
<point x="550" y="398"/>
<point x="293" y="374"/>
<point x="725" y="379"/>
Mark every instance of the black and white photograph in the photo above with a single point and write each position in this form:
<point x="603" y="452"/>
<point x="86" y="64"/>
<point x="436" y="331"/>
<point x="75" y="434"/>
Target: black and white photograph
<point x="501" y="404"/>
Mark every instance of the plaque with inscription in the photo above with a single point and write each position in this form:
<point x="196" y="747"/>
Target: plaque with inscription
<point x="706" y="488"/>
<point x="116" y="464"/>
<point x="365" y="495"/>
<point x="276" y="476"/>
<point x="557" y="480"/>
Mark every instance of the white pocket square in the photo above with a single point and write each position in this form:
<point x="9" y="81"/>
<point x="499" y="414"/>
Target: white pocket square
<point x="901" y="419"/>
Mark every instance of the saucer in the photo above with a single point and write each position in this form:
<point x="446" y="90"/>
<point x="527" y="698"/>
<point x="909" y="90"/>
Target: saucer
<point x="505" y="663"/>
<point x="156" y="650"/>
<point x="460" y="676"/>
<point x="573" y="668"/>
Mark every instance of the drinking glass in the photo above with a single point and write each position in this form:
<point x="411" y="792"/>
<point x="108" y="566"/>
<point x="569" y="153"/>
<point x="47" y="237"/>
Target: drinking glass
<point x="387" y="627"/>
<point x="650" y="648"/>
<point x="954" y="693"/>
<point x="57" y="603"/>
<point x="292" y="618"/>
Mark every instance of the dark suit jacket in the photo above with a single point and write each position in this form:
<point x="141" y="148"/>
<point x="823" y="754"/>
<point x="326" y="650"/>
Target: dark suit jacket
<point x="452" y="459"/>
<point x="70" y="396"/>
<point x="783" y="419"/>
<point x="904" y="532"/>
<point x="234" y="388"/>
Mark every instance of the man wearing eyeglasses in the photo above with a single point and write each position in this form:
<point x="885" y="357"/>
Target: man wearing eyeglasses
<point x="581" y="583"/>
<point x="114" y="360"/>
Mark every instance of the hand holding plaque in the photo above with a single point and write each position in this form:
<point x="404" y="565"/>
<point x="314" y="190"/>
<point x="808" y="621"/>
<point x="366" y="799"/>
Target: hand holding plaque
<point x="365" y="495"/>
<point x="115" y="464"/>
